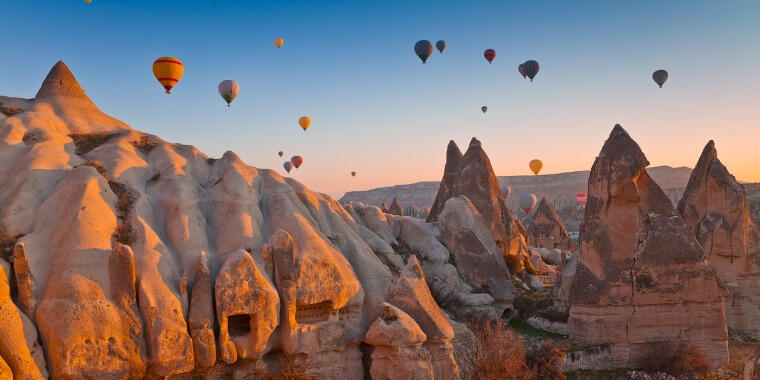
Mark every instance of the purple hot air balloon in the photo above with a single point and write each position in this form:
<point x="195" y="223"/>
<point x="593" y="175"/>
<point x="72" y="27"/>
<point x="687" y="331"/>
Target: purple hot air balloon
<point x="423" y="49"/>
<point x="288" y="166"/>
<point x="297" y="161"/>
<point x="521" y="69"/>
<point x="440" y="45"/>
<point x="660" y="76"/>
<point x="489" y="54"/>
<point x="531" y="69"/>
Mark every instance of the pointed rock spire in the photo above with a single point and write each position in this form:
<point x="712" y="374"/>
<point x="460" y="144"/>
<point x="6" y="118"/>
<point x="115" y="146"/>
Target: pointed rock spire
<point x="450" y="177"/>
<point x="396" y="208"/>
<point x="60" y="82"/>
<point x="546" y="229"/>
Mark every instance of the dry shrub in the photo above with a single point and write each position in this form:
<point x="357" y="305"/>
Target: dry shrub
<point x="85" y="142"/>
<point x="544" y="361"/>
<point x="498" y="353"/>
<point x="675" y="358"/>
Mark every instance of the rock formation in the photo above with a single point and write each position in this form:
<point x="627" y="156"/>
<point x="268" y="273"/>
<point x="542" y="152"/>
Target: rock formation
<point x="156" y="244"/>
<point x="398" y="352"/>
<point x="715" y="207"/>
<point x="395" y="208"/>
<point x="546" y="229"/>
<point x="471" y="175"/>
<point x="641" y="282"/>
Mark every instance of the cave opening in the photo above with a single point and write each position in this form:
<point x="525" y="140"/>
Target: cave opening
<point x="239" y="324"/>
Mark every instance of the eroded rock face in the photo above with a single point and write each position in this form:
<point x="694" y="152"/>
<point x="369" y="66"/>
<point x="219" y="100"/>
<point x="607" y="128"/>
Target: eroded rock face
<point x="201" y="319"/>
<point x="471" y="175"/>
<point x="396" y="208"/>
<point x="398" y="353"/>
<point x="546" y="229"/>
<point x="478" y="259"/>
<point x="19" y="352"/>
<point x="715" y="207"/>
<point x="640" y="270"/>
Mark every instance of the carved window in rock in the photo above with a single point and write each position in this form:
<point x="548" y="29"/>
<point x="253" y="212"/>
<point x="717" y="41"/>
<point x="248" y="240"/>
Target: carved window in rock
<point x="313" y="313"/>
<point x="239" y="324"/>
<point x="350" y="313"/>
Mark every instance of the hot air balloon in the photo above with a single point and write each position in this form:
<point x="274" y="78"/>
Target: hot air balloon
<point x="490" y="54"/>
<point x="660" y="76"/>
<point x="278" y="42"/>
<point x="484" y="109"/>
<point x="531" y="68"/>
<point x="297" y="161"/>
<point x="507" y="192"/>
<point x="304" y="122"/>
<point x="229" y="90"/>
<point x="88" y="1"/>
<point x="521" y="69"/>
<point x="288" y="166"/>
<point x="440" y="45"/>
<point x="353" y="174"/>
<point x="423" y="49"/>
<point x="527" y="201"/>
<point x="535" y="166"/>
<point x="280" y="153"/>
<point x="581" y="199"/>
<point x="168" y="71"/>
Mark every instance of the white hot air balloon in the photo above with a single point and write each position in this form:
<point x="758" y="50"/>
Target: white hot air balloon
<point x="527" y="201"/>
<point x="229" y="90"/>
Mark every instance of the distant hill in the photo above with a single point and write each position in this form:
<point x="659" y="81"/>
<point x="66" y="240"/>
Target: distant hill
<point x="558" y="188"/>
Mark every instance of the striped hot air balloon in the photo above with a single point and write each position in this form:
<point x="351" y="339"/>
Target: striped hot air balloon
<point x="581" y="199"/>
<point x="531" y="68"/>
<point x="296" y="161"/>
<point x="168" y="71"/>
<point x="412" y="211"/>
<point x="489" y="55"/>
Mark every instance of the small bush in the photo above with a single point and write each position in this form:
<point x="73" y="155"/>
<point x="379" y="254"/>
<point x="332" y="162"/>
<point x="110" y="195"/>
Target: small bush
<point x="674" y="358"/>
<point x="528" y="303"/>
<point x="498" y="353"/>
<point x="85" y="142"/>
<point x="544" y="361"/>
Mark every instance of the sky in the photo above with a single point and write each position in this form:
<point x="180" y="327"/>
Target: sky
<point x="377" y="110"/>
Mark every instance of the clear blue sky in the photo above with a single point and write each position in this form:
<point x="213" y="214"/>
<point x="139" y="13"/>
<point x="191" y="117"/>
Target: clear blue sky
<point x="377" y="110"/>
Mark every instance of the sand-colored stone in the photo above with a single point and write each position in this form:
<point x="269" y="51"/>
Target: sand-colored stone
<point x="201" y="318"/>
<point x="641" y="281"/>
<point x="715" y="207"/>
<point x="397" y="347"/>
<point x="20" y="355"/>
<point x="396" y="208"/>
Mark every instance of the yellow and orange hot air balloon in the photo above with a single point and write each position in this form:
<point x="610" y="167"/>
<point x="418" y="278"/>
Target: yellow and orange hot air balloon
<point x="304" y="122"/>
<point x="535" y="166"/>
<point x="278" y="42"/>
<point x="168" y="71"/>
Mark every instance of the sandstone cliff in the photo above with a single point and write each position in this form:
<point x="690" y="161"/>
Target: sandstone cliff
<point x="546" y="230"/>
<point x="641" y="282"/>
<point x="715" y="207"/>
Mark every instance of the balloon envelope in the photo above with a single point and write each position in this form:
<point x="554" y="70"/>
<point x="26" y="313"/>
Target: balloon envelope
<point x="440" y="45"/>
<point x="535" y="166"/>
<point x="280" y="153"/>
<point x="304" y="122"/>
<point x="660" y="76"/>
<point x="531" y="69"/>
<point x="168" y="71"/>
<point x="527" y="201"/>
<point x="288" y="166"/>
<point x="353" y="174"/>
<point x="423" y="49"/>
<point x="484" y="109"/>
<point x="229" y="90"/>
<point x="278" y="42"/>
<point x="296" y="161"/>
<point x="581" y="199"/>
<point x="521" y="70"/>
<point x="489" y="54"/>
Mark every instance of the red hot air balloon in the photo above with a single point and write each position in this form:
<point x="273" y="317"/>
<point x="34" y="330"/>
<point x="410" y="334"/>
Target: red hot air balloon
<point x="581" y="199"/>
<point x="521" y="69"/>
<point x="353" y="174"/>
<point x="280" y="153"/>
<point x="297" y="161"/>
<point x="490" y="54"/>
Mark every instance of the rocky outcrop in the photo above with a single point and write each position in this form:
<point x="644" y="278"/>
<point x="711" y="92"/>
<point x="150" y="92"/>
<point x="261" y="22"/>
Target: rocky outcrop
<point x="715" y="207"/>
<point x="546" y="229"/>
<point x="183" y="262"/>
<point x="752" y="367"/>
<point x="479" y="261"/>
<point x="397" y="347"/>
<point x="20" y="354"/>
<point x="396" y="208"/>
<point x="471" y="175"/>
<point x="640" y="270"/>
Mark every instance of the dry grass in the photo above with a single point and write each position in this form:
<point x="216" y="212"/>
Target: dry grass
<point x="144" y="145"/>
<point x="84" y="143"/>
<point x="498" y="353"/>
